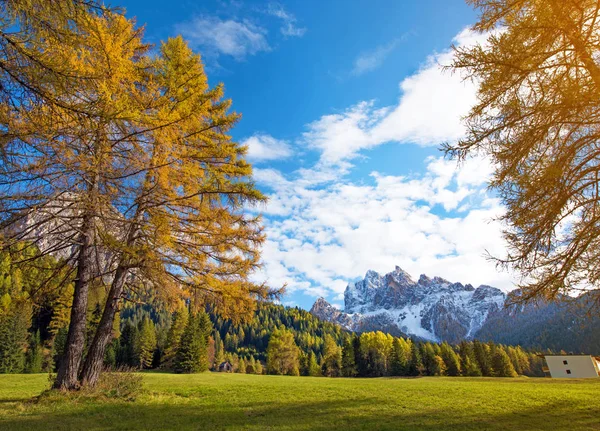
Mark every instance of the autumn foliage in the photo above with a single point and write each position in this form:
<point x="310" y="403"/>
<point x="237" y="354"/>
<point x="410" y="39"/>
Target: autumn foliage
<point x="119" y="161"/>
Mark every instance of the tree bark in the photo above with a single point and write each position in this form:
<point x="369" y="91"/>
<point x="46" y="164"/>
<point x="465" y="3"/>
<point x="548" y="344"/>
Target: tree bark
<point x="94" y="360"/>
<point x="69" y="367"/>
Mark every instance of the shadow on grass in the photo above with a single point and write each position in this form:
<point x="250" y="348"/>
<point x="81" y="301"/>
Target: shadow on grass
<point x="357" y="414"/>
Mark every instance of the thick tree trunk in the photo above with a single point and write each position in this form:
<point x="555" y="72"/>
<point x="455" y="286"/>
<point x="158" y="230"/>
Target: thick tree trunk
<point x="69" y="366"/>
<point x="95" y="358"/>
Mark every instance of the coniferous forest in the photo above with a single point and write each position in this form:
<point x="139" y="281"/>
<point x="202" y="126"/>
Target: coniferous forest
<point x="276" y="340"/>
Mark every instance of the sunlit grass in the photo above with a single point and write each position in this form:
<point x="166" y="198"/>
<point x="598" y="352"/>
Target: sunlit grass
<point x="215" y="401"/>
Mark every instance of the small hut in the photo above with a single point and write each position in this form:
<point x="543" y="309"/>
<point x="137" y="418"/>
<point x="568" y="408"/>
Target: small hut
<point x="572" y="366"/>
<point x="225" y="367"/>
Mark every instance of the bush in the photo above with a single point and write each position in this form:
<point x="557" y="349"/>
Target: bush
<point x="121" y="385"/>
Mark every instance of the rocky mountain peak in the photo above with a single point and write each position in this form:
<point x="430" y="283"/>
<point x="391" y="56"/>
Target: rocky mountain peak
<point x="431" y="308"/>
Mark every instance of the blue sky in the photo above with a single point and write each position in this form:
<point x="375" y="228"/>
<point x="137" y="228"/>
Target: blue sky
<point x="344" y="109"/>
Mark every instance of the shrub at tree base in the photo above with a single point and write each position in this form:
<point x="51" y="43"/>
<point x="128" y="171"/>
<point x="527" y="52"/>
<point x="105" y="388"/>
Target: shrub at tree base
<point x="125" y="386"/>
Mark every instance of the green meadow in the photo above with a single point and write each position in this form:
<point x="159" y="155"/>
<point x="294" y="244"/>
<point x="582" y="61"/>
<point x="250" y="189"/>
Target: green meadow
<point x="214" y="401"/>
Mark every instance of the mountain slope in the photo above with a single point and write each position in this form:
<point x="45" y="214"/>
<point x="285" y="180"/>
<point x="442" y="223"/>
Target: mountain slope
<point x="556" y="326"/>
<point x="435" y="309"/>
<point x="431" y="308"/>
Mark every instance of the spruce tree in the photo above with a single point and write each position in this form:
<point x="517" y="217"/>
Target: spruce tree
<point x="349" y="368"/>
<point x="178" y="324"/>
<point x="399" y="359"/>
<point x="147" y="343"/>
<point x="483" y="358"/>
<point x="415" y="366"/>
<point x="192" y="355"/>
<point x="126" y="354"/>
<point x="33" y="361"/>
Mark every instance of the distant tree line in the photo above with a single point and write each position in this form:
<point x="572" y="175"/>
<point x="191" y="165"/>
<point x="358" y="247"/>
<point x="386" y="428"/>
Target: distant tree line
<point x="277" y="340"/>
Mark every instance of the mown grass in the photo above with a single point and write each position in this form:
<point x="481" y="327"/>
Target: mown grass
<point x="215" y="401"/>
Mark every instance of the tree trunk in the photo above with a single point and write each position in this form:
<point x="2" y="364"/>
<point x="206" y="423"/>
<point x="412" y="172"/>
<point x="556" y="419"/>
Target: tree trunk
<point x="69" y="366"/>
<point x="94" y="360"/>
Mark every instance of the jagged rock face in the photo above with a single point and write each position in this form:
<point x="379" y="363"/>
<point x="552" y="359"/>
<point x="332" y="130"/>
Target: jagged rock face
<point x="325" y="311"/>
<point x="431" y="308"/>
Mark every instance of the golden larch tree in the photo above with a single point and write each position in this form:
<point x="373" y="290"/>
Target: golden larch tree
<point x="538" y="118"/>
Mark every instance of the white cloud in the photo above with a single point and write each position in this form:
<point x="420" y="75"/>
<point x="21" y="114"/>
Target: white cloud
<point x="262" y="147"/>
<point x="324" y="230"/>
<point x="289" y="27"/>
<point x="371" y="60"/>
<point x="215" y="36"/>
<point x="429" y="112"/>
<point x="324" y="238"/>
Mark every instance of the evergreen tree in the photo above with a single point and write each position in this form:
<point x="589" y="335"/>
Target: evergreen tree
<point x="399" y="359"/>
<point x="146" y="343"/>
<point x="33" y="361"/>
<point x="126" y="354"/>
<point x="428" y="358"/>
<point x="241" y="366"/>
<point x="415" y="365"/>
<point x="192" y="355"/>
<point x="14" y="321"/>
<point x="483" y="358"/>
<point x="58" y="346"/>
<point x="349" y="368"/>
<point x="178" y="324"/>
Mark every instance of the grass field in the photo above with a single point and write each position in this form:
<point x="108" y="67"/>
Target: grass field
<point x="214" y="401"/>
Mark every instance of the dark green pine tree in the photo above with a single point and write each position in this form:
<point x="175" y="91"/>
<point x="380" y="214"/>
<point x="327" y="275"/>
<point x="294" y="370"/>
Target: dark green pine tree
<point x="33" y="358"/>
<point x="126" y="354"/>
<point x="58" y="347"/>
<point x="415" y="365"/>
<point x="349" y="368"/>
<point x="428" y="358"/>
<point x="362" y="365"/>
<point x="192" y="354"/>
<point x="13" y="339"/>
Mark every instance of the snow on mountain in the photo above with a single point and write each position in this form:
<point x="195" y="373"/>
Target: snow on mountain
<point x="430" y="308"/>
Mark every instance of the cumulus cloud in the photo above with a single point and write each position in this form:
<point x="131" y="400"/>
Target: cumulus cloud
<point x="288" y="27"/>
<point x="263" y="147"/>
<point x="324" y="230"/>
<point x="371" y="60"/>
<point x="429" y="112"/>
<point x="215" y="36"/>
<point x="323" y="237"/>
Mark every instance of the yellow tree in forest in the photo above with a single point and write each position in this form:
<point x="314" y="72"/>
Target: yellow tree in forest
<point x="538" y="118"/>
<point x="183" y="204"/>
<point x="71" y="71"/>
<point x="120" y="162"/>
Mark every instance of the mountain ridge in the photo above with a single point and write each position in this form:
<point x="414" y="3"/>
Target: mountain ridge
<point x="435" y="309"/>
